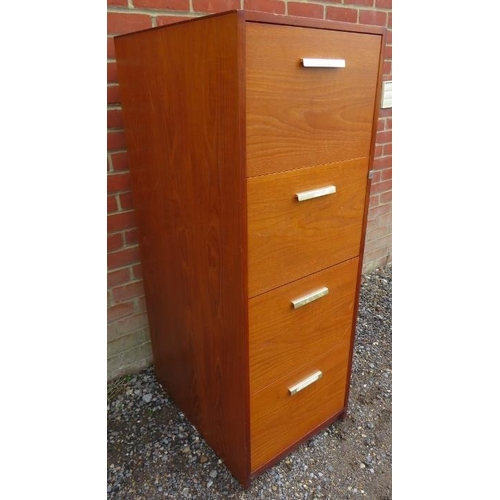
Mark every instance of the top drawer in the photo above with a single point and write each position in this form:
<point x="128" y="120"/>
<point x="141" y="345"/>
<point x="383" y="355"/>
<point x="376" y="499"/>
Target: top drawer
<point x="300" y="116"/>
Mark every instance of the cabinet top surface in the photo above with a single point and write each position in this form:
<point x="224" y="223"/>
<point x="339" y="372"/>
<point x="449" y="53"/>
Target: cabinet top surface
<point x="263" y="17"/>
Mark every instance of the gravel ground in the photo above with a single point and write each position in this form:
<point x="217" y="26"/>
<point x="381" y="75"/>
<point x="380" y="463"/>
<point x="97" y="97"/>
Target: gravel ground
<point x="154" y="452"/>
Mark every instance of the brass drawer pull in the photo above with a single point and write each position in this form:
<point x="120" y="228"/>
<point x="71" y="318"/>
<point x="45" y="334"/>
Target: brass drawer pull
<point x="302" y="301"/>
<point x="316" y="193"/>
<point x="323" y="63"/>
<point x="304" y="383"/>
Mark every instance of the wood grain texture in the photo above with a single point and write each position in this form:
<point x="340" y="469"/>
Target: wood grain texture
<point x="283" y="339"/>
<point x="302" y="439"/>
<point x="366" y="208"/>
<point x="288" y="239"/>
<point x="278" y="420"/>
<point x="307" y="22"/>
<point x="298" y="116"/>
<point x="183" y="95"/>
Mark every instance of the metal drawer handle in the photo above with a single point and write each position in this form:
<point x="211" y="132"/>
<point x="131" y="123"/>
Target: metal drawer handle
<point x="302" y="301"/>
<point x="323" y="63"/>
<point x="304" y="383"/>
<point x="316" y="193"/>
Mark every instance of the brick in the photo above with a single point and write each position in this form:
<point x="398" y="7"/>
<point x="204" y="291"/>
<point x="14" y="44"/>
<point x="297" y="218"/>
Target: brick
<point x="387" y="259"/>
<point x="273" y="6"/>
<point x="115" y="118"/>
<point x="114" y="94"/>
<point x="120" y="311"/>
<point x="365" y="3"/>
<point x="127" y="292"/>
<point x="376" y="253"/>
<point x="128" y="324"/>
<point x="112" y="204"/>
<point x="111" y="48"/>
<point x="376" y="177"/>
<point x="122" y="258"/>
<point x="388" y="53"/>
<point x="126" y="201"/>
<point x="388" y="37"/>
<point x="132" y="237"/>
<point x="119" y="182"/>
<point x="126" y="342"/>
<point x="386" y="174"/>
<point x="387" y="149"/>
<point x="139" y="352"/>
<point x="384" y="137"/>
<point x="112" y="73"/>
<point x="137" y="274"/>
<point x="381" y="187"/>
<point x="382" y="162"/>
<point x="374" y="200"/>
<point x="141" y="304"/>
<point x="215" y="5"/>
<point x="120" y="23"/>
<point x="385" y="220"/>
<point x="376" y="212"/>
<point x="371" y="225"/>
<point x="387" y="70"/>
<point x="383" y="4"/>
<point x="142" y="363"/>
<point x="341" y="14"/>
<point x="141" y="336"/>
<point x="388" y="124"/>
<point x="164" y="20"/>
<point x="386" y="197"/>
<point x="121" y="3"/>
<point x="377" y="232"/>
<point x="377" y="244"/>
<point x="378" y="151"/>
<point x="373" y="17"/>
<point x="121" y="221"/>
<point x="116" y="368"/>
<point x="115" y="242"/>
<point x="120" y="161"/>
<point x="119" y="277"/>
<point x="305" y="10"/>
<point x="130" y="368"/>
<point x="162" y="4"/>
<point x="379" y="258"/>
<point x="385" y="112"/>
<point x="116" y="140"/>
<point x="381" y="124"/>
<point x="389" y="20"/>
<point x="371" y="265"/>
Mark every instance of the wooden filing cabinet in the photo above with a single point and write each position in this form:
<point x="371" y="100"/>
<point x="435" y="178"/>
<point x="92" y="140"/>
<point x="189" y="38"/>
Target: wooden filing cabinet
<point x="250" y="173"/>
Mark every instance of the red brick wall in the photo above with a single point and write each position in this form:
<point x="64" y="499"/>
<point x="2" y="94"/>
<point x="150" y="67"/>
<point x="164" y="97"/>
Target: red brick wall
<point x="128" y="337"/>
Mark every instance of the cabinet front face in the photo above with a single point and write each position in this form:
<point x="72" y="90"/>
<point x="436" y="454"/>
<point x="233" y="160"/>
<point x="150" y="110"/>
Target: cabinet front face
<point x="310" y="102"/>
<point x="298" y="115"/>
<point x="296" y="404"/>
<point x="300" y="321"/>
<point x="302" y="221"/>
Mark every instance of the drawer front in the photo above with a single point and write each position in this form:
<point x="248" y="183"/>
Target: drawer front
<point x="279" y="419"/>
<point x="300" y="116"/>
<point x="285" y="335"/>
<point x="288" y="238"/>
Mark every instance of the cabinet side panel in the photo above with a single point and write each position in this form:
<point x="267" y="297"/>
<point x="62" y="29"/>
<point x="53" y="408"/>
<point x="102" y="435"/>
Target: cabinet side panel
<point x="182" y="102"/>
<point x="376" y="108"/>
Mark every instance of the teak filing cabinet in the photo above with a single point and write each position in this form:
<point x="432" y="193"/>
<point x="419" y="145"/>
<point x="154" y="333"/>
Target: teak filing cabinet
<point x="250" y="139"/>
